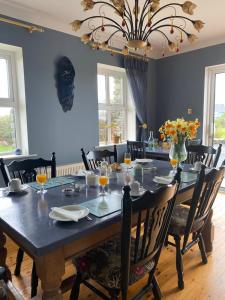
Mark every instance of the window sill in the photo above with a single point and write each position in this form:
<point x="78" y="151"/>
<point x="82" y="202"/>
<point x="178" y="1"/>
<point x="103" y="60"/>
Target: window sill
<point x="16" y="157"/>
<point x="110" y="145"/>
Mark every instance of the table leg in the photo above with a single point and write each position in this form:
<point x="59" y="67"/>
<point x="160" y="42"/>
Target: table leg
<point x="50" y="269"/>
<point x="3" y="255"/>
<point x="208" y="233"/>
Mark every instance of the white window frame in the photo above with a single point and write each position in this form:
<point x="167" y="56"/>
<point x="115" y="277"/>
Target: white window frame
<point x="209" y="102"/>
<point x="126" y="106"/>
<point x="14" y="58"/>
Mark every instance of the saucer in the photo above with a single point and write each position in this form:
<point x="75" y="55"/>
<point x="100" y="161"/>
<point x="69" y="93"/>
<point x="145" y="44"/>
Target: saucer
<point x="138" y="193"/>
<point x="194" y="170"/>
<point x="22" y="189"/>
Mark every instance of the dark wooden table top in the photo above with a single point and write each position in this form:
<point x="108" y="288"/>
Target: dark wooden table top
<point x="25" y="217"/>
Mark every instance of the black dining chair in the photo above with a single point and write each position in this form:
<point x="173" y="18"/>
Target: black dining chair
<point x="136" y="149"/>
<point x="26" y="170"/>
<point x="190" y="221"/>
<point x="92" y="159"/>
<point x="121" y="261"/>
<point x="206" y="154"/>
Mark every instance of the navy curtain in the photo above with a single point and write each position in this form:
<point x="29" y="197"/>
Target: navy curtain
<point x="136" y="71"/>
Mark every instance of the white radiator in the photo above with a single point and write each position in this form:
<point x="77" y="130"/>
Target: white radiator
<point x="67" y="169"/>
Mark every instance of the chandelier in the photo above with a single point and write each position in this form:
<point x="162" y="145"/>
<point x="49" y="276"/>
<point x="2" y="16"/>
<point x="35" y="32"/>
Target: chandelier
<point x="137" y="24"/>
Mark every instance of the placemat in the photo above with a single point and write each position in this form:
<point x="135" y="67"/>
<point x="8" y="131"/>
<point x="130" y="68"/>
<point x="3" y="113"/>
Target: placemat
<point x="113" y="201"/>
<point x="188" y="177"/>
<point x="52" y="182"/>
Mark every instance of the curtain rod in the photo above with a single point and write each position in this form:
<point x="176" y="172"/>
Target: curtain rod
<point x="30" y="28"/>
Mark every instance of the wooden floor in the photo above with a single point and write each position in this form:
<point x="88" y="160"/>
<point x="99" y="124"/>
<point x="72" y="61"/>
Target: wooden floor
<point x="201" y="281"/>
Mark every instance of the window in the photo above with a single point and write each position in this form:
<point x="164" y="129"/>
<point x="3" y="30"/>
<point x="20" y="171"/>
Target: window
<point x="10" y="104"/>
<point x="115" y="106"/>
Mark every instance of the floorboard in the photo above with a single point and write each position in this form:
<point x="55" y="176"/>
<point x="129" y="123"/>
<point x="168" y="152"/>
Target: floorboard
<point x="202" y="282"/>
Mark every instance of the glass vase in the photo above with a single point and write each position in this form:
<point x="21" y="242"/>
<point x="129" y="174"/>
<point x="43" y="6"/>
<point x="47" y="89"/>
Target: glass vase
<point x="178" y="152"/>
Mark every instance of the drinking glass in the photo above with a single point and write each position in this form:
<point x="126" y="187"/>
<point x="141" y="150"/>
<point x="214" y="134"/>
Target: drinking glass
<point x="41" y="179"/>
<point x="103" y="180"/>
<point x="127" y="159"/>
<point x="174" y="163"/>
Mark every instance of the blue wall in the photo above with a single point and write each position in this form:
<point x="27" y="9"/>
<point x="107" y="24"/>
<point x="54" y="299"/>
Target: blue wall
<point x="49" y="128"/>
<point x="180" y="83"/>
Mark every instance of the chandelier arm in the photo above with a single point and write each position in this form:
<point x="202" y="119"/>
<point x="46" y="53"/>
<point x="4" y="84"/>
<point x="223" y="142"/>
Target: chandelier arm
<point x="142" y="18"/>
<point x="106" y="18"/>
<point x="112" y="35"/>
<point x="173" y="17"/>
<point x="109" y="25"/>
<point x="167" y="5"/>
<point x="163" y="34"/>
<point x="166" y="25"/>
<point x="128" y="10"/>
<point x="113" y="7"/>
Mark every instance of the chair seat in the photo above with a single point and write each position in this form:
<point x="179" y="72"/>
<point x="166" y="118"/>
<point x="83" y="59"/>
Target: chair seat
<point x="179" y="221"/>
<point x="103" y="263"/>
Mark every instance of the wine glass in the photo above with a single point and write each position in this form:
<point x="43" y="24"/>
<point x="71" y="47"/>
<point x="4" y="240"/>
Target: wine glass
<point x="174" y="163"/>
<point x="41" y="179"/>
<point x="103" y="180"/>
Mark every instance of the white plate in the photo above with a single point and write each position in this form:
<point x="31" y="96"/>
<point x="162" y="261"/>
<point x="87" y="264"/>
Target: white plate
<point x="143" y="160"/>
<point x="70" y="208"/>
<point x="23" y="188"/>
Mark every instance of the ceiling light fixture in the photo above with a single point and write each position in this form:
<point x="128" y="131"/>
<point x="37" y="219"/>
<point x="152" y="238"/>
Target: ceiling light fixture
<point x="137" y="25"/>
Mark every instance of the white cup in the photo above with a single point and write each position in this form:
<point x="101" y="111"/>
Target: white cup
<point x="135" y="187"/>
<point x="15" y="185"/>
<point x="198" y="166"/>
<point x="91" y="180"/>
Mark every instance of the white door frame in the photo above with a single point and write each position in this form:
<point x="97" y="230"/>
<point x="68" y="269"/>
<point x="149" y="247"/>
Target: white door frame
<point x="209" y="102"/>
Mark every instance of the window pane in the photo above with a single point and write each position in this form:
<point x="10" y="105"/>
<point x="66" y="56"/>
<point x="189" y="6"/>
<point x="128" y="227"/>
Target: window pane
<point x="103" y="130"/>
<point x="118" y="125"/>
<point x="116" y="90"/>
<point x="4" y="82"/>
<point x="7" y="130"/>
<point x="101" y="89"/>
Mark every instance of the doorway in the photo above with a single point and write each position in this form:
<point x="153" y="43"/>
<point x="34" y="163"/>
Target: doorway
<point x="214" y="109"/>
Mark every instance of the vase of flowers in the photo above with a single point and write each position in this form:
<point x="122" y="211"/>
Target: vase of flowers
<point x="178" y="132"/>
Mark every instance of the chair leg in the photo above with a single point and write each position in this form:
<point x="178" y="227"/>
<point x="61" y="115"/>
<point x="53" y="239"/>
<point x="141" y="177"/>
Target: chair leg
<point x="19" y="260"/>
<point x="114" y="294"/>
<point x="201" y="245"/>
<point x="156" y="289"/>
<point x="74" y="295"/>
<point x="179" y="263"/>
<point x="34" y="281"/>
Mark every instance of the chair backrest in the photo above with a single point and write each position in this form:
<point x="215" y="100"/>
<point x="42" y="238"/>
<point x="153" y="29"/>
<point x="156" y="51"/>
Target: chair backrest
<point x="27" y="169"/>
<point x="136" y="149"/>
<point x="149" y="216"/>
<point x="206" y="154"/>
<point x="194" y="142"/>
<point x="204" y="195"/>
<point x="93" y="158"/>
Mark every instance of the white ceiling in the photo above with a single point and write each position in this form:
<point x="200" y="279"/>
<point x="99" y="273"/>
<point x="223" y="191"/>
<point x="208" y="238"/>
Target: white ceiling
<point x="58" y="14"/>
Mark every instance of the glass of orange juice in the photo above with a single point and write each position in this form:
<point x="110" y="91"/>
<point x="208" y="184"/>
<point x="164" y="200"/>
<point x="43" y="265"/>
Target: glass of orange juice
<point x="41" y="179"/>
<point x="174" y="163"/>
<point x="103" y="179"/>
<point x="127" y="159"/>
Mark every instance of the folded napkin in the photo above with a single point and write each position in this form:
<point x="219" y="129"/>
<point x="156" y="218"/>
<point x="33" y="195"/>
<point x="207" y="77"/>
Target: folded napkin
<point x="64" y="213"/>
<point x="163" y="179"/>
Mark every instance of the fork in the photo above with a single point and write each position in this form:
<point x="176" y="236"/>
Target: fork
<point x="89" y="218"/>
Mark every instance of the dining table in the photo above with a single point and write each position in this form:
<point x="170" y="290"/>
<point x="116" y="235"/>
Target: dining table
<point x="24" y="217"/>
